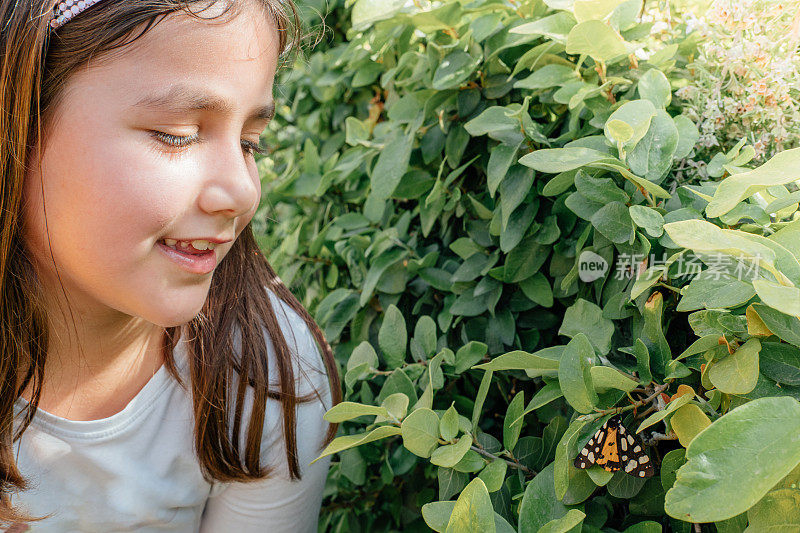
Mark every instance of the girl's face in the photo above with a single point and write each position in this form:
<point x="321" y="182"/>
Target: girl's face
<point x="113" y="187"/>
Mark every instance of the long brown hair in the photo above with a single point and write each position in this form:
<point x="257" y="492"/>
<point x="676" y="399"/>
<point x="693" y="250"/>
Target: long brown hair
<point x="34" y="67"/>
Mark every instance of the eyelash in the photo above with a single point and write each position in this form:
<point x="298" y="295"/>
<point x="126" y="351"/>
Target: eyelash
<point x="176" y="141"/>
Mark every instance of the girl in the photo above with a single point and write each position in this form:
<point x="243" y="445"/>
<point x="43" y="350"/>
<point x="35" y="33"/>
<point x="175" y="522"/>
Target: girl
<point x="156" y="374"/>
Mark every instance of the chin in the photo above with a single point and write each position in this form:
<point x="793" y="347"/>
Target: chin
<point x="176" y="312"/>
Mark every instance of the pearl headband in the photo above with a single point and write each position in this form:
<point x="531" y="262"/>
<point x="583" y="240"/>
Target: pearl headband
<point x="65" y="10"/>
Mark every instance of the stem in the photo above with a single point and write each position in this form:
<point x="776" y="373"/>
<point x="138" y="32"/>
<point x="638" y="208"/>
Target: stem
<point x="658" y="436"/>
<point x="670" y="287"/>
<point x="647" y="412"/>
<point x="514" y="464"/>
<point x="617" y="410"/>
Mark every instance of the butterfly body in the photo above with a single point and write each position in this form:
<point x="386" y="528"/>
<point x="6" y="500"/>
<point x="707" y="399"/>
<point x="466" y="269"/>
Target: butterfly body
<point x="614" y="448"/>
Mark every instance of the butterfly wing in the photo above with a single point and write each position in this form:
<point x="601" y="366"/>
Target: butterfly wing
<point x="633" y="459"/>
<point x="591" y="453"/>
<point x="609" y="452"/>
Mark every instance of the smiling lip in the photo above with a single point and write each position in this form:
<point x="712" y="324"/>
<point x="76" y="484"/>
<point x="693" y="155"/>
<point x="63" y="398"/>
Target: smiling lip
<point x="209" y="239"/>
<point x="201" y="263"/>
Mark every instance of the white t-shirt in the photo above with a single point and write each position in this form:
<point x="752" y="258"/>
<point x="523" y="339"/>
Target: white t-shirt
<point x="137" y="471"/>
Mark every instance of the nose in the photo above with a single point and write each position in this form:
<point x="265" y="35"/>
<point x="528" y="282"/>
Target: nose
<point x="232" y="185"/>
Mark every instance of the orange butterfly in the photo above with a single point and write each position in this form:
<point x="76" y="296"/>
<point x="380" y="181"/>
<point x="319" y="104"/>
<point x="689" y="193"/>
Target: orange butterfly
<point x="614" y="448"/>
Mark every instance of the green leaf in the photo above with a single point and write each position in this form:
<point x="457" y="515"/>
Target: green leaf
<point x="425" y="333"/>
<point x="687" y="422"/>
<point x="548" y="76"/>
<point x="556" y="27"/>
<point x="642" y="355"/>
<point x="687" y="136"/>
<point x="594" y="9"/>
<point x="437" y="514"/>
<point x="396" y="405"/>
<point x="420" y="432"/>
<point x="778" y="509"/>
<point x="599" y="189"/>
<point x="636" y="115"/>
<point x="397" y="382"/>
<point x="673" y="460"/>
<point x="738" y="372"/>
<point x="539" y="502"/>
<point x="658" y="416"/>
<point x="545" y="395"/>
<point x="519" y="360"/>
<point x="595" y="39"/>
<point x="599" y="476"/>
<point x="715" y="290"/>
<point x="646" y="526"/>
<point x="648" y="218"/>
<point x="449" y="455"/>
<point x="555" y="160"/>
<point x="513" y="190"/>
<point x="605" y="378"/>
<point x="784" y="299"/>
<point x="652" y="155"/>
<point x="363" y="353"/>
<point x="353" y="466"/>
<point x="564" y="457"/>
<point x="572" y="519"/>
<point x="391" y="165"/>
<point x="393" y="337"/>
<point x="654" y="86"/>
<point x="625" y="486"/>
<point x="778" y="170"/>
<point x="784" y="326"/>
<point x="538" y="289"/>
<point x="348" y="441"/>
<point x="501" y="158"/>
<point x="483" y="390"/>
<point x="497" y="124"/>
<point x="454" y="70"/>
<point x="574" y="375"/>
<point x="494" y="474"/>
<point x="382" y="263"/>
<point x="780" y="362"/>
<point x="717" y="482"/>
<point x="704" y="237"/>
<point x="473" y="512"/>
<point x="448" y="426"/>
<point x="586" y="317"/>
<point x="349" y="410"/>
<point x="469" y="354"/>
<point x="514" y="411"/>
<point x="367" y="12"/>
<point x="614" y="221"/>
<point x="451" y="482"/>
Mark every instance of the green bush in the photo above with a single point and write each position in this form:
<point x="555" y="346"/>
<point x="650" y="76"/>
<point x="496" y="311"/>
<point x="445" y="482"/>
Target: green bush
<point x="443" y="180"/>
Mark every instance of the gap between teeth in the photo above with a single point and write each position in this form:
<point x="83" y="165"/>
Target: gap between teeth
<point x="198" y="245"/>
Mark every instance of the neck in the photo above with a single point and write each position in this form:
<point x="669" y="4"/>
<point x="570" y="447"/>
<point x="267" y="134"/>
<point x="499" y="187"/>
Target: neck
<point x="93" y="367"/>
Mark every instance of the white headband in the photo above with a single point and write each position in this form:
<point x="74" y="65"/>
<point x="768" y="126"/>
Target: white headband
<point x="66" y="10"/>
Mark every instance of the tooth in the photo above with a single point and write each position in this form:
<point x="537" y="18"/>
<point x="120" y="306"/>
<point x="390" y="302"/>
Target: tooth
<point x="202" y="245"/>
<point x="170" y="242"/>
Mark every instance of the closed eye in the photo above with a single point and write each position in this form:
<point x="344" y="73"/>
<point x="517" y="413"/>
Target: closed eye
<point x="181" y="141"/>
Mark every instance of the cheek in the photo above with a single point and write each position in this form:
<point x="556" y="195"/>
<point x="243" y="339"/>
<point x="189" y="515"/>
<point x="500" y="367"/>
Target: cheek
<point x="114" y="197"/>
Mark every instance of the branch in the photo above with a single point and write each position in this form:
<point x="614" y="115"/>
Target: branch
<point x="514" y="464"/>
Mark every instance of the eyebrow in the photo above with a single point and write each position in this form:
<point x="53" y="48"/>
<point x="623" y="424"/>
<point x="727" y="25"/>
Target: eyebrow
<point x="182" y="98"/>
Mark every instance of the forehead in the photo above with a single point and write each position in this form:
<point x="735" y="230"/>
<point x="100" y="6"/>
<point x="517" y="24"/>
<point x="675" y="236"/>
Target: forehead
<point x="233" y="57"/>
